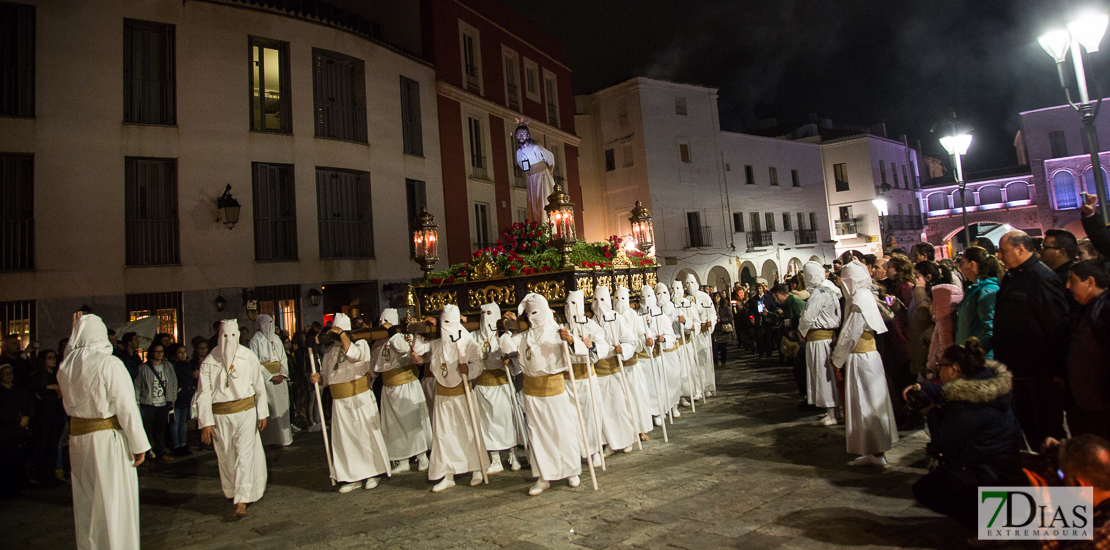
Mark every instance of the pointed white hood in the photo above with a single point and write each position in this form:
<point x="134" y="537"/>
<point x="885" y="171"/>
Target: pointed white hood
<point x="538" y="311"/>
<point x="342" y="321"/>
<point x="227" y="343"/>
<point x="678" y="294"/>
<point x="451" y="331"/>
<point x="265" y="325"/>
<point x="487" y="321"/>
<point x="813" y="273"/>
<point x="389" y="315"/>
<point x="602" y="305"/>
<point x="691" y="284"/>
<point x="621" y="304"/>
<point x="575" y="308"/>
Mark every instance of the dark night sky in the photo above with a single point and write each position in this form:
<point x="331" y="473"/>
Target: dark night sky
<point x="854" y="61"/>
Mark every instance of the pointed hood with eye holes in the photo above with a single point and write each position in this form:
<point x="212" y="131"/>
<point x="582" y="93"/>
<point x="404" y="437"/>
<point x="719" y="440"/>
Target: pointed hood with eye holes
<point x="678" y="294"/>
<point x="451" y="331"/>
<point x="342" y="321"/>
<point x="487" y="322"/>
<point x="389" y="315"/>
<point x="227" y="343"/>
<point x="266" y="325"/>
<point x="575" y="308"/>
<point x="648" y="302"/>
<point x="538" y="311"/>
<point x="621" y="304"/>
<point x="855" y="278"/>
<point x="691" y="284"/>
<point x="602" y="305"/>
<point x="663" y="297"/>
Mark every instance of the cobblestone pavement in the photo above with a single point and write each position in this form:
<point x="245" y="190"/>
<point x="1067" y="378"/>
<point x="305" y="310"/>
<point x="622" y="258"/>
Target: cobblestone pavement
<point x="746" y="471"/>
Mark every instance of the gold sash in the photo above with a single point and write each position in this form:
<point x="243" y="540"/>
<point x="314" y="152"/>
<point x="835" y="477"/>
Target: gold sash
<point x="450" y="392"/>
<point x="232" y="407"/>
<point x="607" y="367"/>
<point x="819" y="334"/>
<point x="495" y="377"/>
<point x="544" y="386"/>
<point x="644" y="354"/>
<point x="866" y="343"/>
<point x="632" y="361"/>
<point x="273" y="366"/>
<point x="674" y="349"/>
<point x="580" y="372"/>
<point x="82" y="426"/>
<point x="399" y="376"/>
<point x="343" y="390"/>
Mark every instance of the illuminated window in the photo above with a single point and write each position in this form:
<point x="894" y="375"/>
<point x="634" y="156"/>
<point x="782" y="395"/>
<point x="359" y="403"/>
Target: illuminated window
<point x="840" y="172"/>
<point x="282" y="303"/>
<point x="270" y="102"/>
<point x="164" y="305"/>
<point x="19" y="318"/>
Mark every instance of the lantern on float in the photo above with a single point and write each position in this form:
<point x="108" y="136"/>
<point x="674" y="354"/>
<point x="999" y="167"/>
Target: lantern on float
<point x="643" y="234"/>
<point x="425" y="241"/>
<point x="560" y="214"/>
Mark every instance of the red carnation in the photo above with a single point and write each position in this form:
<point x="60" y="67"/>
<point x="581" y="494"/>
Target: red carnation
<point x="608" y="255"/>
<point x="449" y="280"/>
<point x="546" y="268"/>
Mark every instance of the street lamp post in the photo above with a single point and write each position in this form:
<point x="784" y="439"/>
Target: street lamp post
<point x="881" y="206"/>
<point x="956" y="143"/>
<point x="1082" y="34"/>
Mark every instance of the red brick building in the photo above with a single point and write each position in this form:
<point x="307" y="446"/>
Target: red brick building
<point x="492" y="68"/>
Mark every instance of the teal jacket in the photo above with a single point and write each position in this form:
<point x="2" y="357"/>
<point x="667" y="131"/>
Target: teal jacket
<point x="976" y="314"/>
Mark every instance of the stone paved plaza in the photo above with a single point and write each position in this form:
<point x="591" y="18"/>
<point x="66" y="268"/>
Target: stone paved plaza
<point x="746" y="471"/>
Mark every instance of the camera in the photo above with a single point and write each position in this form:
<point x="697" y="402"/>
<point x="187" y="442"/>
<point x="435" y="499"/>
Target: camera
<point x="916" y="401"/>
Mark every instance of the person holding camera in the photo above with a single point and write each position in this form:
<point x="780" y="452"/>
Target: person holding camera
<point x="1081" y="461"/>
<point x="975" y="435"/>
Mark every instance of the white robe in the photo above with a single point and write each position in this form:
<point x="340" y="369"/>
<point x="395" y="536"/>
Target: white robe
<point x="703" y="342"/>
<point x="406" y="424"/>
<point x="238" y="446"/>
<point x="587" y="386"/>
<point x="658" y="325"/>
<point x="499" y="424"/>
<point x="678" y="376"/>
<point x="358" y="448"/>
<point x="456" y="449"/>
<point x="869" y="417"/>
<point x="691" y="375"/>
<point x="822" y="311"/>
<point x="636" y="374"/>
<point x="555" y="442"/>
<point x="278" y="429"/>
<point x="105" y="486"/>
<point x="617" y="426"/>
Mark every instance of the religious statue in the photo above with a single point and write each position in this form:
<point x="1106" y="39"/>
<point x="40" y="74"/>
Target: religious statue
<point x="537" y="163"/>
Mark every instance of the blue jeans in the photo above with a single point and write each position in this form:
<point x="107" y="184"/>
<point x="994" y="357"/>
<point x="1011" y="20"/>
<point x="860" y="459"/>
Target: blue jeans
<point x="178" y="427"/>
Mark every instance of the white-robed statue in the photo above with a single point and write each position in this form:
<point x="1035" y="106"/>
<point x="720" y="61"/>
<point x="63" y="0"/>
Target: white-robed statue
<point x="406" y="424"/>
<point x="106" y="439"/>
<point x="537" y="164"/>
<point x="555" y="442"/>
<point x="356" y="430"/>
<point x="456" y="447"/>
<point x="501" y="422"/>
<point x="638" y="372"/>
<point x="275" y="364"/>
<point x="703" y="342"/>
<point x="868" y="414"/>
<point x="231" y="410"/>
<point x="617" y="425"/>
<point x="818" y="324"/>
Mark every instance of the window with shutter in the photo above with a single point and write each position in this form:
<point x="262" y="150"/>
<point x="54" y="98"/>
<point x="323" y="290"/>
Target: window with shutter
<point x="410" y="117"/>
<point x="344" y="214"/>
<point x="770" y="218"/>
<point x="17" y="213"/>
<point x="149" y="87"/>
<point x="339" y="96"/>
<point x="275" y="213"/>
<point x="737" y="222"/>
<point x="17" y="59"/>
<point x="150" y="212"/>
<point x="269" y="86"/>
<point x="802" y="221"/>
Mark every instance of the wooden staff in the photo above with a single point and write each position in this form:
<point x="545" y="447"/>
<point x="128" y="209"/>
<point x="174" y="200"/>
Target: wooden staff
<point x="320" y="409"/>
<point x="690" y="371"/>
<point x="578" y="410"/>
<point x="655" y="374"/>
<point x="483" y="456"/>
<point x="518" y="414"/>
<point x="590" y="380"/>
<point x="624" y="385"/>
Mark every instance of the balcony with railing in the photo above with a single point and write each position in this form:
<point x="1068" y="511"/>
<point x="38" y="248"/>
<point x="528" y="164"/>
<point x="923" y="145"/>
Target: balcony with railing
<point x="981" y="196"/>
<point x="514" y="97"/>
<point x="805" y="236"/>
<point x="698" y="237"/>
<point x="478" y="169"/>
<point x="847" y="227"/>
<point x="760" y="238"/>
<point x="894" y="222"/>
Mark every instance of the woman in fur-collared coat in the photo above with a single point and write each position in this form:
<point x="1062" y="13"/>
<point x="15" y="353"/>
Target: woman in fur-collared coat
<point x="975" y="435"/>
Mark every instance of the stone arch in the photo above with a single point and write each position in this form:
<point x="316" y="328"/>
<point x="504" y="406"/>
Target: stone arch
<point x="814" y="259"/>
<point x="794" y="266"/>
<point x="990" y="194"/>
<point x="1017" y="191"/>
<point x="770" y="272"/>
<point x="719" y="278"/>
<point x="682" y="273"/>
<point x="748" y="273"/>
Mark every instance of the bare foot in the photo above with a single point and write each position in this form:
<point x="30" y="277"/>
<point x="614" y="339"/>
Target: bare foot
<point x="643" y="437"/>
<point x="240" y="510"/>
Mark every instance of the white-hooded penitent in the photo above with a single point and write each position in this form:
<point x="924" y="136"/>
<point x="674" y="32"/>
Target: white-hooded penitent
<point x="275" y="363"/>
<point x="502" y="423"/>
<point x="818" y="322"/>
<point x="457" y="446"/>
<point x="703" y="342"/>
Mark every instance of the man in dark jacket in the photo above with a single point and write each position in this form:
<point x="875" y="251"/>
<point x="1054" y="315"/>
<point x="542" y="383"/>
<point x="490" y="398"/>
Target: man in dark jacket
<point x="1060" y="251"/>
<point x="128" y="352"/>
<point x="1030" y="337"/>
<point x="1089" y="351"/>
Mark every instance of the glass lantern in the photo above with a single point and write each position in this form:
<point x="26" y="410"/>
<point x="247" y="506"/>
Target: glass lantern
<point x="560" y="214"/>
<point x="425" y="240"/>
<point x="643" y="233"/>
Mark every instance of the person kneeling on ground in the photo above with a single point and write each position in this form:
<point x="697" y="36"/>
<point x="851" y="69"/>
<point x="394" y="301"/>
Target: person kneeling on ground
<point x="975" y="435"/>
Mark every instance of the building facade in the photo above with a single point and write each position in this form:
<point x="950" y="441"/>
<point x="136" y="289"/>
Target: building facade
<point x="494" y="68"/>
<point x="660" y="143"/>
<point x="327" y="134"/>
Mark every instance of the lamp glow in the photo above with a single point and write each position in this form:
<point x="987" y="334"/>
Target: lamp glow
<point x="1089" y="29"/>
<point x="1056" y="44"/>
<point x="956" y="145"/>
<point x="881" y="205"/>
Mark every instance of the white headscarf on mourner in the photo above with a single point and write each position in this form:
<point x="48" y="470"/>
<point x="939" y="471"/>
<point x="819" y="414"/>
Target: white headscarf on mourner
<point x="342" y="321"/>
<point x="856" y="280"/>
<point x="266" y="325"/>
<point x="621" y="305"/>
<point x="602" y="305"/>
<point x="389" y="315"/>
<point x="227" y="343"/>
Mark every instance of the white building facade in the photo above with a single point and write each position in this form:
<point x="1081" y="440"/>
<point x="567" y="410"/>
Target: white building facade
<point x="327" y="137"/>
<point x="661" y="143"/>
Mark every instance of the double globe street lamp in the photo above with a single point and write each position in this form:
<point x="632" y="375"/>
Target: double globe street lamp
<point x="1082" y="35"/>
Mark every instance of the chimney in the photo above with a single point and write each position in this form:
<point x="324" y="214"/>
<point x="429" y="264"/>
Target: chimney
<point x="826" y="123"/>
